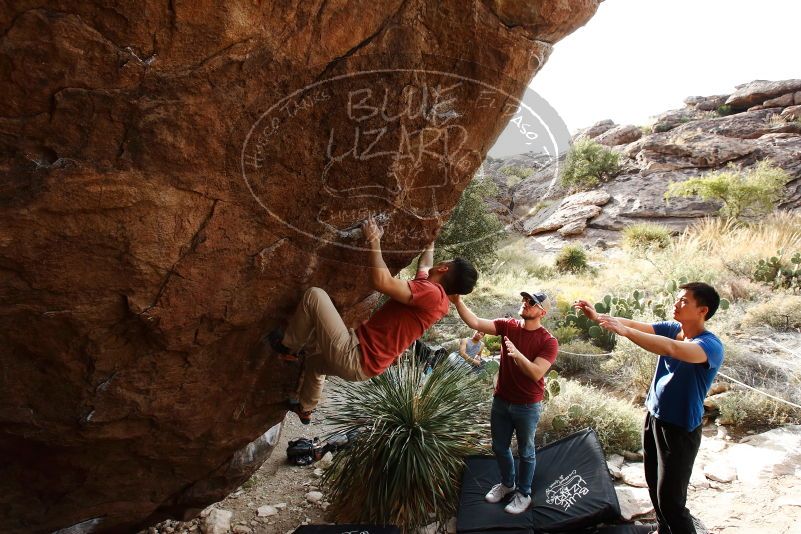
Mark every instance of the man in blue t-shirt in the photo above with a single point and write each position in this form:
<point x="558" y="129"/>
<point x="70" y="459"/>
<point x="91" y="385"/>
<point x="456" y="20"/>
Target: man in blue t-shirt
<point x="690" y="357"/>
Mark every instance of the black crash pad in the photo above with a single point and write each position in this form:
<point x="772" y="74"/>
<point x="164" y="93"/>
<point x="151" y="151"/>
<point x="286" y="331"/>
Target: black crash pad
<point x="347" y="529"/>
<point x="623" y="529"/>
<point x="572" y="491"/>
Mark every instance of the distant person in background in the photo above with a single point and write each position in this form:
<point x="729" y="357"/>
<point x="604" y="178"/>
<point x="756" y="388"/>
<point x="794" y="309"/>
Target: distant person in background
<point x="527" y="352"/>
<point x="689" y="358"/>
<point x="470" y="350"/>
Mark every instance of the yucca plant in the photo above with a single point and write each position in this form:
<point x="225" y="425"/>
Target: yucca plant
<point x="571" y="259"/>
<point x="404" y="467"/>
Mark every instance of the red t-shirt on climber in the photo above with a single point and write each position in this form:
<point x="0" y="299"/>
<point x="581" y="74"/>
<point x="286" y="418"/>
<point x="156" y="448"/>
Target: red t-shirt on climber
<point x="513" y="385"/>
<point x="395" y="325"/>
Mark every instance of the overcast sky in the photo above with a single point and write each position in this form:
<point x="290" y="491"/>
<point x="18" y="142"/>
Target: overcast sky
<point x="637" y="58"/>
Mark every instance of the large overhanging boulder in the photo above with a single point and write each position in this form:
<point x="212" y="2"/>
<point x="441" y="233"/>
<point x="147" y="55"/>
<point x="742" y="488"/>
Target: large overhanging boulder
<point x="175" y="175"/>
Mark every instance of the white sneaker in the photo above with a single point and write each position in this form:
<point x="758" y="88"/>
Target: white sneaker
<point x="519" y="504"/>
<point x="498" y="492"/>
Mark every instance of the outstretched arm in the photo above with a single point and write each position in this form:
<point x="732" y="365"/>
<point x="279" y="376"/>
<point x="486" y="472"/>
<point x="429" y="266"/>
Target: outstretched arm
<point x="380" y="277"/>
<point x="686" y="351"/>
<point x="470" y="319"/>
<point x="593" y="315"/>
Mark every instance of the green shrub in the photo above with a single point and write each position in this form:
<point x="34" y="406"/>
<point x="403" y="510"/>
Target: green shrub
<point x="565" y="333"/>
<point x="568" y="363"/>
<point x="491" y="368"/>
<point x="404" y="466"/>
<point x="488" y="372"/>
<point x="251" y="483"/>
<point x="724" y="110"/>
<point x="767" y="269"/>
<point x="748" y="410"/>
<point x="473" y="231"/>
<point x="642" y="236"/>
<point x="493" y="343"/>
<point x="782" y="312"/>
<point x="617" y="422"/>
<point x="588" y="164"/>
<point x="517" y="170"/>
<point x="571" y="259"/>
<point x="778" y="272"/>
<point x="515" y="174"/>
<point x="754" y="191"/>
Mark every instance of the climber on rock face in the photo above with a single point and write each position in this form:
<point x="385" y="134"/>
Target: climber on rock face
<point x="333" y="349"/>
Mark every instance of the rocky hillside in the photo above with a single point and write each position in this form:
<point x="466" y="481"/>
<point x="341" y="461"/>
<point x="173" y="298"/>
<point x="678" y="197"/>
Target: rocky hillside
<point x="759" y="120"/>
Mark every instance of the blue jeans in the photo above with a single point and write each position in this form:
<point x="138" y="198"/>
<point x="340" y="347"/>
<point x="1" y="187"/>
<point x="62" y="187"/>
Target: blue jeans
<point x="522" y="419"/>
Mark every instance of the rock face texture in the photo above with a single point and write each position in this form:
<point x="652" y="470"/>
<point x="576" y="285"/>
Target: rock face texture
<point x="761" y="122"/>
<point x="174" y="176"/>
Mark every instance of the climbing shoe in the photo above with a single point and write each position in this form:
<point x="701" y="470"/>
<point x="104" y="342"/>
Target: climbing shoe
<point x="304" y="415"/>
<point x="284" y="353"/>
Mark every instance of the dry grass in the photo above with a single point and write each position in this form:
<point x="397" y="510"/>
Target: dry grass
<point x="747" y="410"/>
<point x="630" y="369"/>
<point x="578" y="358"/>
<point x="782" y="312"/>
<point x="737" y="247"/>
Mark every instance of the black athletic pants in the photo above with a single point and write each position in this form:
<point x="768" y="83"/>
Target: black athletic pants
<point x="668" y="455"/>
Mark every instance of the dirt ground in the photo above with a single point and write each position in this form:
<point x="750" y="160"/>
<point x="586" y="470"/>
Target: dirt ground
<point x="732" y="508"/>
<point x="278" y="483"/>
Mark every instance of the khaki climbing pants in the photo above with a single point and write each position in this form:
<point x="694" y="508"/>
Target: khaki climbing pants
<point x="331" y="347"/>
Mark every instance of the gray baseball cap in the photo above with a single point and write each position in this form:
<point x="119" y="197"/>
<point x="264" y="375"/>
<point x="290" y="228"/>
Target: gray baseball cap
<point x="538" y="297"/>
